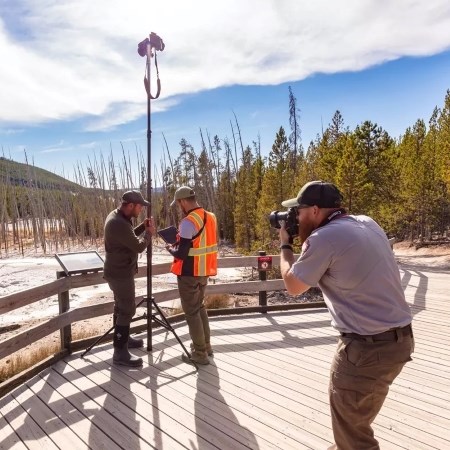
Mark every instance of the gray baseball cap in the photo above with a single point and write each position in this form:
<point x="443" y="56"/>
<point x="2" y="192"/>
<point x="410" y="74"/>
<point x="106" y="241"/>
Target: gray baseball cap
<point x="182" y="192"/>
<point x="319" y="193"/>
<point x="134" y="197"/>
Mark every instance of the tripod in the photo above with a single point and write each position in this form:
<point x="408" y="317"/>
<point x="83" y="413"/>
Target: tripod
<point x="161" y="320"/>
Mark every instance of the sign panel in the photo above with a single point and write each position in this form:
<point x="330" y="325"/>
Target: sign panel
<point x="264" y="262"/>
<point x="80" y="262"/>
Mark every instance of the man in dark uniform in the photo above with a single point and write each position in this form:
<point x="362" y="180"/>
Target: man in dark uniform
<point x="123" y="243"/>
<point x="349" y="257"/>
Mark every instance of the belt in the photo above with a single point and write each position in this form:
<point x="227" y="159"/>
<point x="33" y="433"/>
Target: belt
<point x="394" y="334"/>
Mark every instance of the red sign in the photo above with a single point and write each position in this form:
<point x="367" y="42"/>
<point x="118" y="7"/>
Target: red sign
<point x="264" y="262"/>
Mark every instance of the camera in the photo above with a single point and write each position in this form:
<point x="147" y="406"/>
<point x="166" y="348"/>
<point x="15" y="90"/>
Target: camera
<point x="155" y="42"/>
<point x="290" y="219"/>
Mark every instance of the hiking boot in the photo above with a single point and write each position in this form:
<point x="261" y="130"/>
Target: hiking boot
<point x="123" y="357"/>
<point x="209" y="349"/>
<point x="135" y="343"/>
<point x="197" y="357"/>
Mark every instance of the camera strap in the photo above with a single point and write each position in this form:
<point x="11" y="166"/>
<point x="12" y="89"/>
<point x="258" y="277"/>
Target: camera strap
<point x="158" y="82"/>
<point x="334" y="215"/>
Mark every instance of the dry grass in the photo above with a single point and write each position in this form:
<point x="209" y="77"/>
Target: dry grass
<point x="91" y="327"/>
<point x="37" y="352"/>
<point x="216" y="301"/>
<point x="212" y="301"/>
<point x="87" y="333"/>
<point x="25" y="359"/>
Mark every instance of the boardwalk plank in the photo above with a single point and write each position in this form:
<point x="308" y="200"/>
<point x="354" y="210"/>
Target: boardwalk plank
<point x="157" y="426"/>
<point x="266" y="388"/>
<point x="290" y="370"/>
<point x="51" y="391"/>
<point x="21" y="420"/>
<point x="239" y="393"/>
<point x="311" y="394"/>
<point x="8" y="437"/>
<point x="74" y="390"/>
<point x="177" y="395"/>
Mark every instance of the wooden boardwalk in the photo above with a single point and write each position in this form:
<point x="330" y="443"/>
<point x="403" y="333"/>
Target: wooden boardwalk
<point x="265" y="389"/>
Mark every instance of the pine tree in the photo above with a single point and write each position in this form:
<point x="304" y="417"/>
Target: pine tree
<point x="295" y="136"/>
<point x="351" y="177"/>
<point x="374" y="144"/>
<point x="276" y="186"/>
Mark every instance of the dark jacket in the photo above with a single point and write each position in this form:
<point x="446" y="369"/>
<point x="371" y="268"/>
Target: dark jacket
<point x="122" y="245"/>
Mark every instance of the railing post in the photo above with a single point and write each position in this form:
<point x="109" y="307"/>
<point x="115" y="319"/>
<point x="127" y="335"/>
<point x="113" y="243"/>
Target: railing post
<point x="64" y="306"/>
<point x="262" y="277"/>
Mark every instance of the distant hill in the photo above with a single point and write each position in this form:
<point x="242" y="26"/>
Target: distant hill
<point x="19" y="174"/>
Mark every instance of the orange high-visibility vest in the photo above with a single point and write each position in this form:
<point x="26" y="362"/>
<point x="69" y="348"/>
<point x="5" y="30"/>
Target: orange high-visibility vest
<point x="202" y="257"/>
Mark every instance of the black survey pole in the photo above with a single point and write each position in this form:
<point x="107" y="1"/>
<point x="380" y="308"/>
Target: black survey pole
<point x="149" y="207"/>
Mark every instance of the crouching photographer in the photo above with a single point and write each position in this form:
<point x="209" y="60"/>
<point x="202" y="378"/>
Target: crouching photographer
<point x="350" y="259"/>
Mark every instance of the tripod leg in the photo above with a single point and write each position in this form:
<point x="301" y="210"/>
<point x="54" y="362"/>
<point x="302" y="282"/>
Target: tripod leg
<point x="169" y="327"/>
<point x="149" y="324"/>
<point x="96" y="342"/>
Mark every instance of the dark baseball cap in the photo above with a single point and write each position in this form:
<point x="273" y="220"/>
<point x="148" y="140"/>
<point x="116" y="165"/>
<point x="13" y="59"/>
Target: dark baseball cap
<point x="134" y="197"/>
<point x="182" y="192"/>
<point x="319" y="193"/>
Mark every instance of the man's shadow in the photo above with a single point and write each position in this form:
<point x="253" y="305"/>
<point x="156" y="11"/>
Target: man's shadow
<point x="124" y="410"/>
<point x="210" y="402"/>
<point x="414" y="278"/>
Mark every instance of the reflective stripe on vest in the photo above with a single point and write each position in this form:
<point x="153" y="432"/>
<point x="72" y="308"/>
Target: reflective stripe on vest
<point x="203" y="250"/>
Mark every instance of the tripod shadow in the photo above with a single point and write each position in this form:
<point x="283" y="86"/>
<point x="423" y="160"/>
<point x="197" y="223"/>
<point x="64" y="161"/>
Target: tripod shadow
<point x="209" y="398"/>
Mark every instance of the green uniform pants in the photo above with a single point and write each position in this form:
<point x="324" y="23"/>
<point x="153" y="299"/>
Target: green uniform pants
<point x="192" y="295"/>
<point x="124" y="299"/>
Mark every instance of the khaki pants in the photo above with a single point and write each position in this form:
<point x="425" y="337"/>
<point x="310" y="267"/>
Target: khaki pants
<point x="192" y="295"/>
<point x="361" y="374"/>
<point x="124" y="300"/>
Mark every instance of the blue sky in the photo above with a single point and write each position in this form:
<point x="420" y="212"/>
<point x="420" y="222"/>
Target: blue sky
<point x="71" y="79"/>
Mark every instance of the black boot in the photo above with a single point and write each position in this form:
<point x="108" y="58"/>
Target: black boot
<point x="135" y="343"/>
<point x="121" y="354"/>
<point x="132" y="342"/>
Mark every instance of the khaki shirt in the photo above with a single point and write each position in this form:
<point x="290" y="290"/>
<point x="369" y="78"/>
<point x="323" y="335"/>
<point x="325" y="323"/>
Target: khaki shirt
<point x="350" y="259"/>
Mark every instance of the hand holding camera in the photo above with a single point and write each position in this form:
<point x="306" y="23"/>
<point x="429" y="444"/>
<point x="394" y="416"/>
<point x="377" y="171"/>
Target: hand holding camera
<point x="287" y="223"/>
<point x="285" y="238"/>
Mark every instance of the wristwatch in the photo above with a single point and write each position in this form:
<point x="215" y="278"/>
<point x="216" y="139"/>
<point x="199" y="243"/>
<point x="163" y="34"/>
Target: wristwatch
<point x="286" y="247"/>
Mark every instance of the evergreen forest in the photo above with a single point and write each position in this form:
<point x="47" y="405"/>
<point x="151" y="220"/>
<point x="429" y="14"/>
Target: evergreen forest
<point x="402" y="182"/>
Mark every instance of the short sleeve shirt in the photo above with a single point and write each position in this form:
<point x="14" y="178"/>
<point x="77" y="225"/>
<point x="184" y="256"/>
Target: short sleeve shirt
<point x="187" y="229"/>
<point x="352" y="262"/>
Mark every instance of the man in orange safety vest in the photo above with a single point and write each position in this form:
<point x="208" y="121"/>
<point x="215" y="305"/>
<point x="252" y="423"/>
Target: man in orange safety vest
<point x="195" y="259"/>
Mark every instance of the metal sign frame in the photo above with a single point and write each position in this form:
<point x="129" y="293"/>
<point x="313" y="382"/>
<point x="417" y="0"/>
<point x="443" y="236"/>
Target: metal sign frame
<point x="80" y="262"/>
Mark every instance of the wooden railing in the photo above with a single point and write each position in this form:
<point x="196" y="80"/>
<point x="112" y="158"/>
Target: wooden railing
<point x="63" y="284"/>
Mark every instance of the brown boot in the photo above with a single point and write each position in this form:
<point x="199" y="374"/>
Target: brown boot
<point x="197" y="357"/>
<point x="209" y="349"/>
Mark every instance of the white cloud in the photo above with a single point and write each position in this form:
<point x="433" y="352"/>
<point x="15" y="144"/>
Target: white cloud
<point x="10" y="131"/>
<point x="78" y="58"/>
<point x="63" y="147"/>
